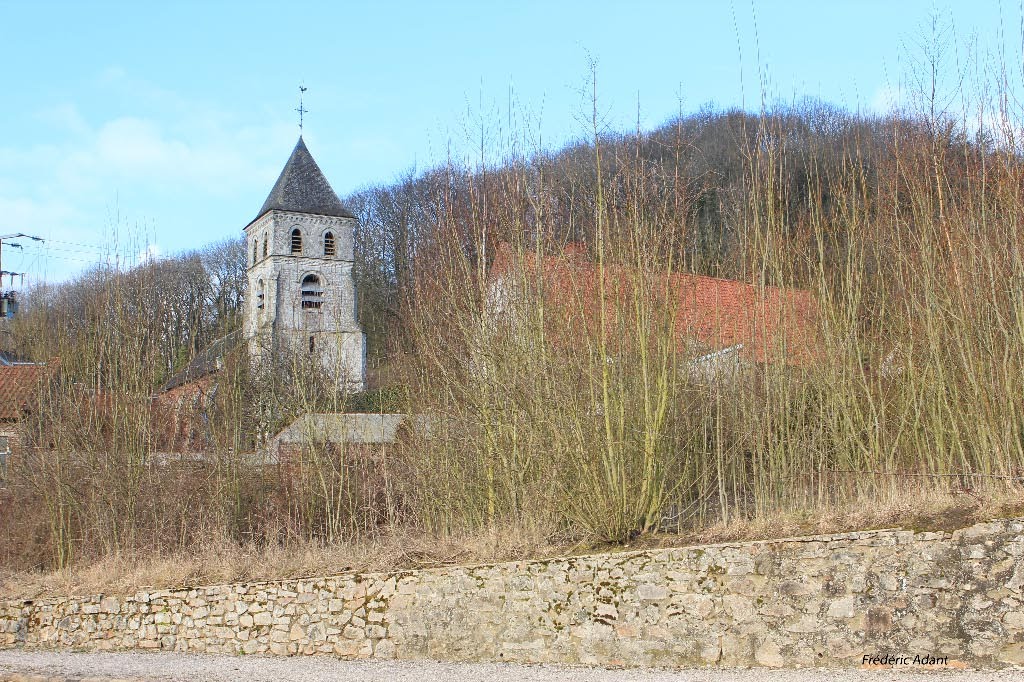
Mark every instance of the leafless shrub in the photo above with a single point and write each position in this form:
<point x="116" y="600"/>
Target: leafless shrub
<point x="568" y="406"/>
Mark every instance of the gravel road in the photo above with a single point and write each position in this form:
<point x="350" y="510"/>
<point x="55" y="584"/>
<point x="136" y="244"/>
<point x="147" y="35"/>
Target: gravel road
<point x="39" y="666"/>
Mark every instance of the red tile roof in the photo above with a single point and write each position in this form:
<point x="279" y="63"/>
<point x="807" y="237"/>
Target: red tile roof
<point x="770" y="322"/>
<point x="19" y="386"/>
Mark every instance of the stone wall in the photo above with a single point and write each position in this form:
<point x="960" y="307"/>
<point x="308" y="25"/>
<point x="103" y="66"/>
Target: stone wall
<point x="817" y="601"/>
<point x="340" y="427"/>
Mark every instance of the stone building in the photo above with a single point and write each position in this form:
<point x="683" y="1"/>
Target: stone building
<point x="301" y="297"/>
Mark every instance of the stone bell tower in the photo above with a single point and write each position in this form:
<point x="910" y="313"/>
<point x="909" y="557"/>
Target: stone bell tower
<point x="301" y="296"/>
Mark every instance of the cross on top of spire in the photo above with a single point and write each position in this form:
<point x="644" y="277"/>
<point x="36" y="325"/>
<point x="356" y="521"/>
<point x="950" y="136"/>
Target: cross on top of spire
<point x="301" y="109"/>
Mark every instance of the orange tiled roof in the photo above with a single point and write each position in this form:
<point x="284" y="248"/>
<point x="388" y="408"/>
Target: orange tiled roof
<point x="18" y="388"/>
<point x="714" y="313"/>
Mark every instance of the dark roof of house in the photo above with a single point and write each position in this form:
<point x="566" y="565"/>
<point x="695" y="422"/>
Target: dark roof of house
<point x="19" y="386"/>
<point x="302" y="188"/>
<point x="8" y="359"/>
<point x="207" y="361"/>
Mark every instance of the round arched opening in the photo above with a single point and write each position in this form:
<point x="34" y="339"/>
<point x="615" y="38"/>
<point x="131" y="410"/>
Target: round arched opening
<point x="312" y="293"/>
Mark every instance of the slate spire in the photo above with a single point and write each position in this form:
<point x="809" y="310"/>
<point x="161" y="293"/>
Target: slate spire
<point x="302" y="188"/>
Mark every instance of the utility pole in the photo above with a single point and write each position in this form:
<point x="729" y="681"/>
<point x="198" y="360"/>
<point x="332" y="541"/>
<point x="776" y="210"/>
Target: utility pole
<point x="7" y="297"/>
<point x="15" y="235"/>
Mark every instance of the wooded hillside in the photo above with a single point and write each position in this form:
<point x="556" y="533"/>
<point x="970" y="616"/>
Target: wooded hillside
<point x="905" y="229"/>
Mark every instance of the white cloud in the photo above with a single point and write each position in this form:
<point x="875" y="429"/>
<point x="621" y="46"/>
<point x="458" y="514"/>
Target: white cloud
<point x="111" y="75"/>
<point x="177" y="171"/>
<point x="150" y="253"/>
<point x="138" y="152"/>
<point x="66" y="118"/>
<point x="887" y="99"/>
<point x="22" y="214"/>
<point x="84" y="190"/>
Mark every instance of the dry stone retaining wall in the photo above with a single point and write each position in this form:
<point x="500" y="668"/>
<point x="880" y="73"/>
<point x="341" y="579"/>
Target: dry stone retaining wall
<point x="816" y="601"/>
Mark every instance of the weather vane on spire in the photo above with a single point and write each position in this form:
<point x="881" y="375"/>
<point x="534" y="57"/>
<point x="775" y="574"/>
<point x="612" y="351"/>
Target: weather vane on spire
<point x="302" y="110"/>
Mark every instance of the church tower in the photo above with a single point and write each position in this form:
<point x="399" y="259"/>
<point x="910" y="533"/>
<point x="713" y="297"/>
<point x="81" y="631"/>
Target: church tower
<point x="301" y="296"/>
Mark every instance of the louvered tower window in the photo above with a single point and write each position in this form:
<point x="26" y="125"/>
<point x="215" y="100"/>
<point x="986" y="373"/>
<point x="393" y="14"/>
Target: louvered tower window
<point x="329" y="249"/>
<point x="312" y="292"/>
<point x="296" y="240"/>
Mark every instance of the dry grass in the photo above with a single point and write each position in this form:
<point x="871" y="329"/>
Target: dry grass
<point x="915" y="509"/>
<point x="221" y="561"/>
<point x="218" y="560"/>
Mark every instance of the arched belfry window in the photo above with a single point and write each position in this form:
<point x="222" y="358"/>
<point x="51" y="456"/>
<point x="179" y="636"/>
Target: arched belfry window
<point x="329" y="248"/>
<point x="296" y="240"/>
<point x="265" y="240"/>
<point x="260" y="295"/>
<point x="312" y="292"/>
<point x="254" y="243"/>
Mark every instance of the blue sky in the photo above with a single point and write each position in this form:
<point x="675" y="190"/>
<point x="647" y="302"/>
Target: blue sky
<point x="143" y="127"/>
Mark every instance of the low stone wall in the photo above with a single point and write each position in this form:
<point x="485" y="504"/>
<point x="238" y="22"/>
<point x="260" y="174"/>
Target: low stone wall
<point x="950" y="599"/>
<point x="341" y="427"/>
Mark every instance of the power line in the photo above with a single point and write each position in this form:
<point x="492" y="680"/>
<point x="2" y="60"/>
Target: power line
<point x="64" y="241"/>
<point x="91" y="247"/>
<point x="101" y="252"/>
<point x="15" y="235"/>
<point x="110" y="258"/>
<point x="45" y="253"/>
